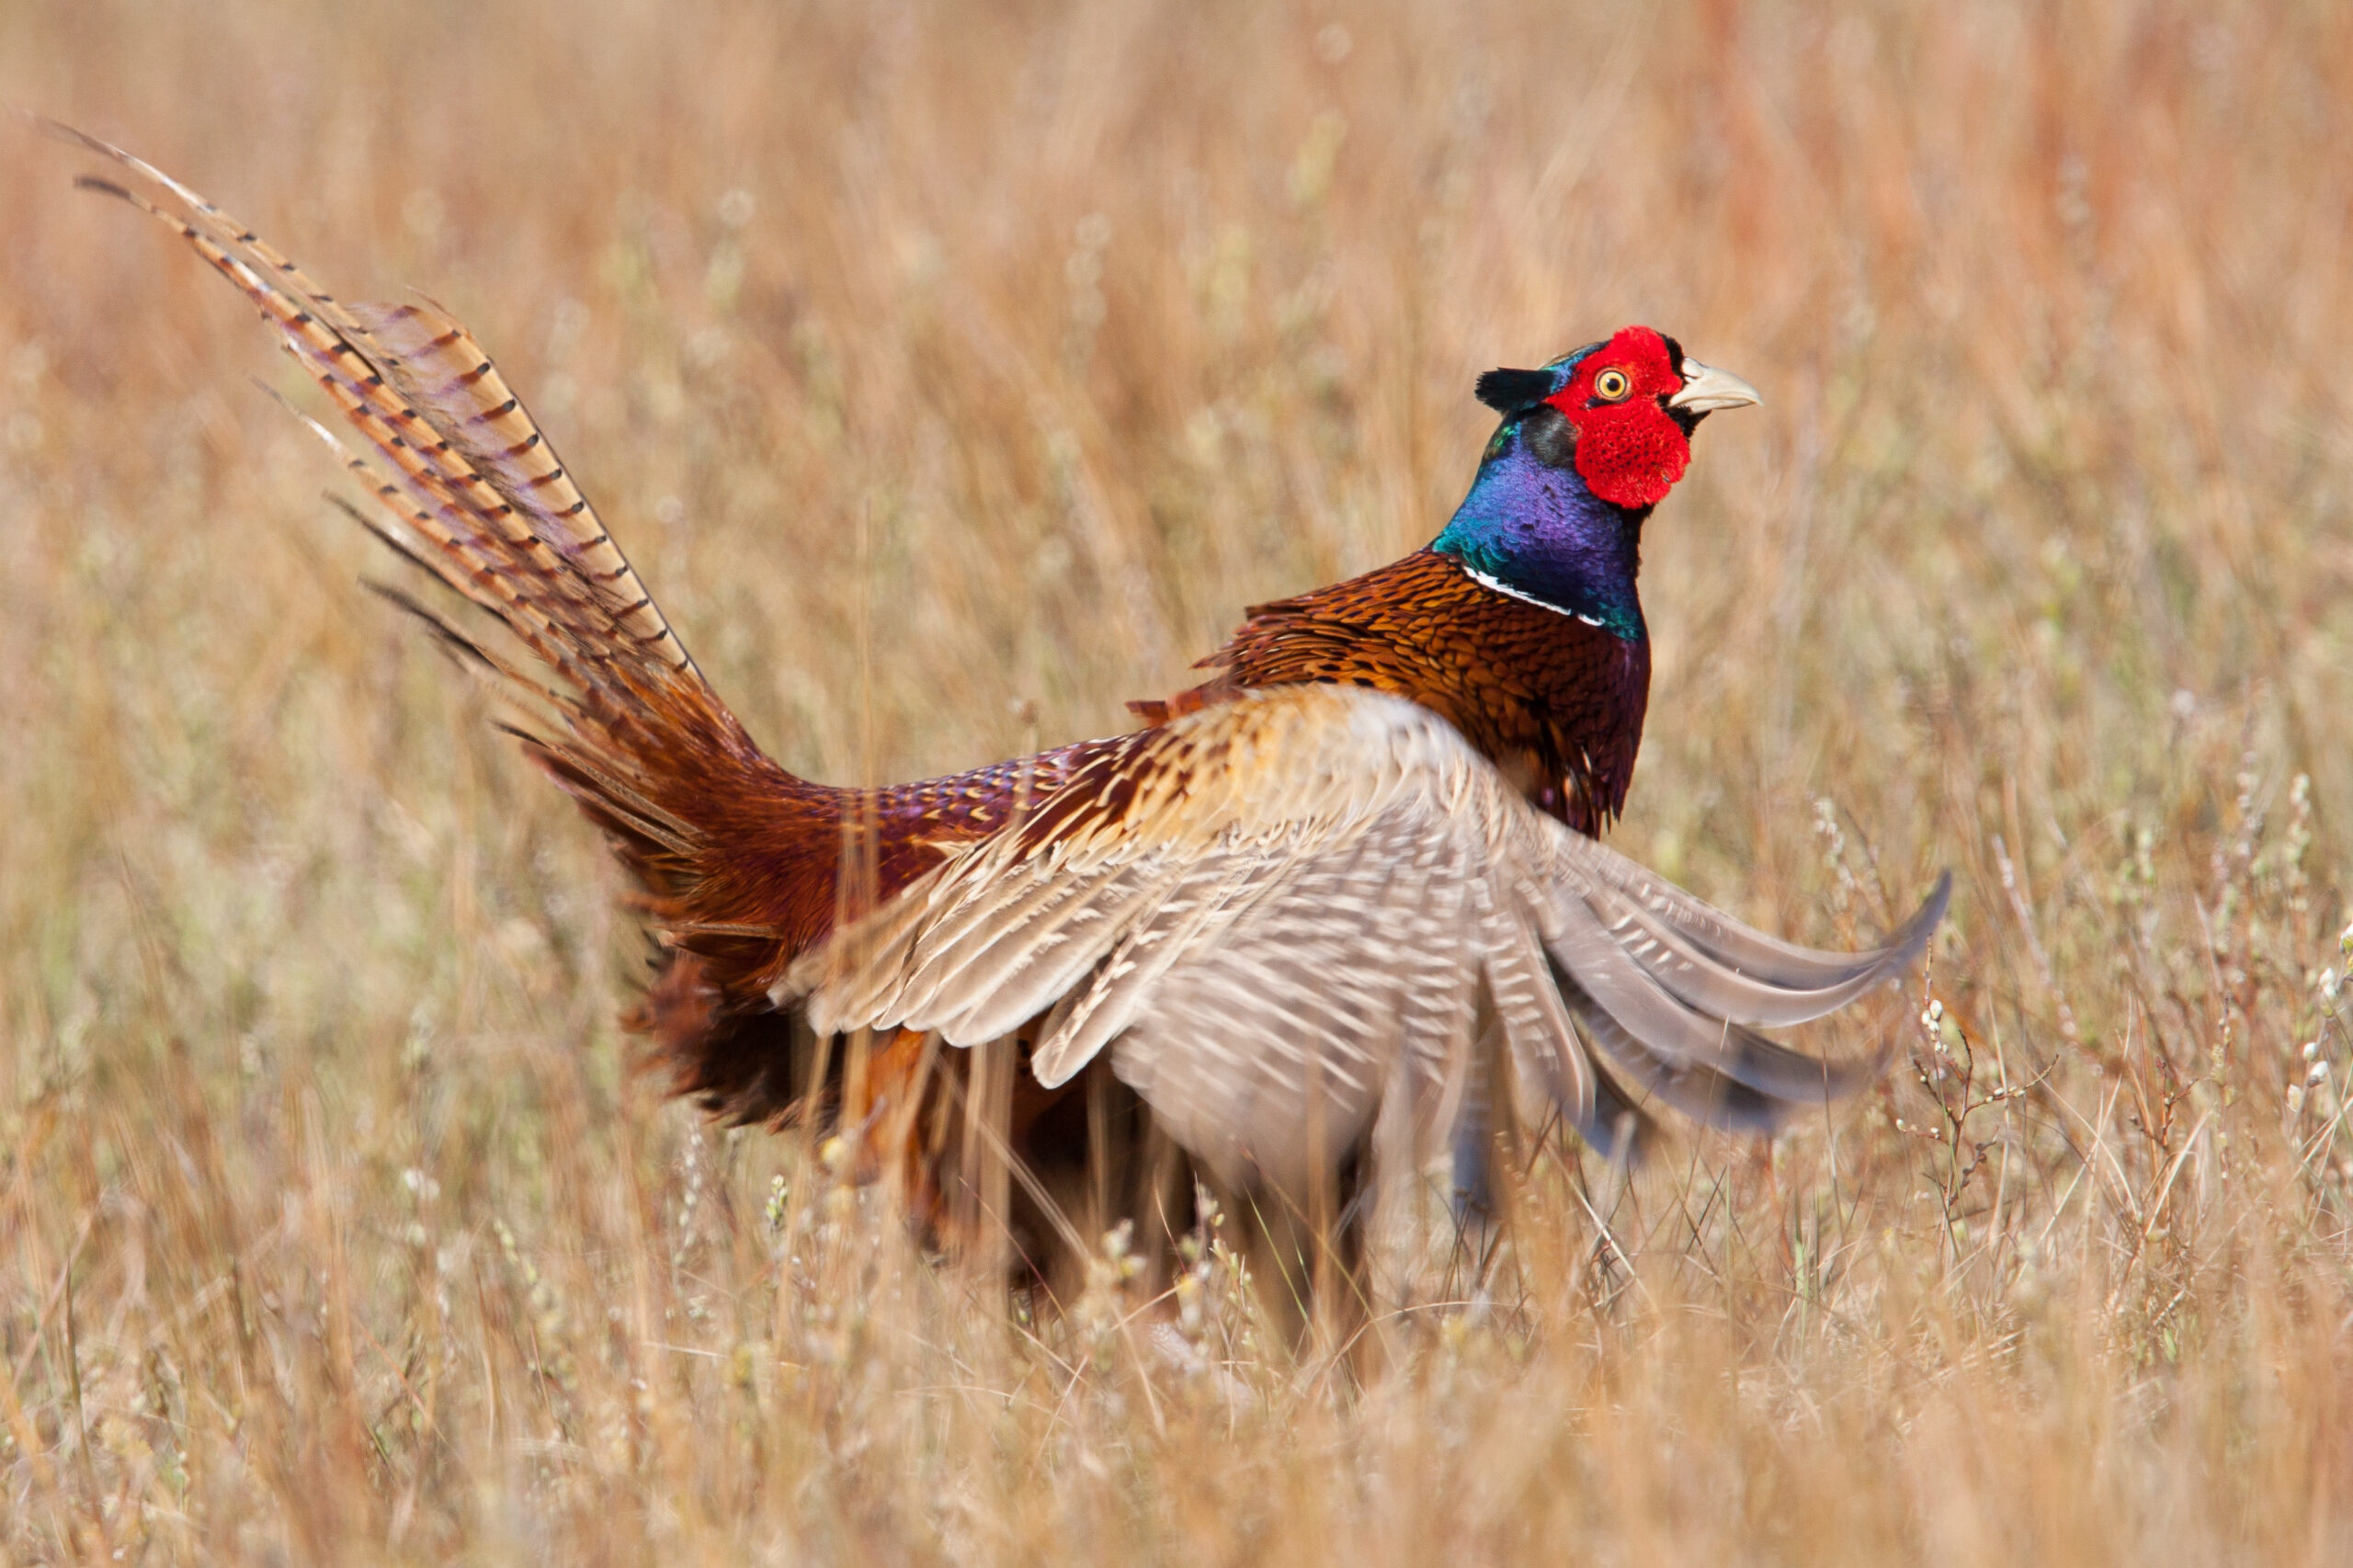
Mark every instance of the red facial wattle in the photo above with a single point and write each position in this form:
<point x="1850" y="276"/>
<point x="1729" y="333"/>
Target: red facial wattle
<point x="1629" y="453"/>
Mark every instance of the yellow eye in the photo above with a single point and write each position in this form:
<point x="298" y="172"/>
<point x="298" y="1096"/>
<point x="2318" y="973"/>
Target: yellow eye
<point x="1612" y="385"/>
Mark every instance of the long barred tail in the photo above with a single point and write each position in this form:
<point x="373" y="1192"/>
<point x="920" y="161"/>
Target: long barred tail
<point x="616" y="710"/>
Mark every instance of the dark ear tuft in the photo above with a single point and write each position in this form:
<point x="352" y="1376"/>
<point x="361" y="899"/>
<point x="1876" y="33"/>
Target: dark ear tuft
<point x="1508" y="392"/>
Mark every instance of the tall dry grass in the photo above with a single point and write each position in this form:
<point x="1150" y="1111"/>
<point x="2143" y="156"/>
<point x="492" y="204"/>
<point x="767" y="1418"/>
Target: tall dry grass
<point x="955" y="371"/>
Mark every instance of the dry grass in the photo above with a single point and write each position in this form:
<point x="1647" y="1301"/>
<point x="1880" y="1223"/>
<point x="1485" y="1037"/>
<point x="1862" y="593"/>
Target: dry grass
<point x="1037" y="342"/>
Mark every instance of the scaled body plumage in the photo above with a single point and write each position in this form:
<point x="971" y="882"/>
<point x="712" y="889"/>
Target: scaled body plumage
<point x="1554" y="700"/>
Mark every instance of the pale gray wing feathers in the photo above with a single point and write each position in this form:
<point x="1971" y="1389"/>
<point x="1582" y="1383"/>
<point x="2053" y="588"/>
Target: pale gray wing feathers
<point x="1664" y="908"/>
<point x="1350" y="977"/>
<point x="1265" y="963"/>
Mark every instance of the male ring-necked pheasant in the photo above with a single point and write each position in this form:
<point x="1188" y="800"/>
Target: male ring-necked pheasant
<point x="1287" y="931"/>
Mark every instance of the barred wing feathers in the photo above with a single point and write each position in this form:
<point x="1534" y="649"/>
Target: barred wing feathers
<point x="1277" y="911"/>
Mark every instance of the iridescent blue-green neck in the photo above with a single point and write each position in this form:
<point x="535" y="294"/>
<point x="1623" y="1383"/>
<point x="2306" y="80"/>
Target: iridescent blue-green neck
<point x="1531" y="528"/>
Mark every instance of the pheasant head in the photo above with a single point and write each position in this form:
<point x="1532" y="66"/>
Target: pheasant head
<point x="1588" y="445"/>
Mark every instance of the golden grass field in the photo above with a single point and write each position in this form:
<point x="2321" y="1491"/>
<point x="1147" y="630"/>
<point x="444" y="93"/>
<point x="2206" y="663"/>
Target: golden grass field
<point x="955" y="371"/>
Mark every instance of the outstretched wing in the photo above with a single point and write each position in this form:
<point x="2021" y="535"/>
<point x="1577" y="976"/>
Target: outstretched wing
<point x="1278" y="911"/>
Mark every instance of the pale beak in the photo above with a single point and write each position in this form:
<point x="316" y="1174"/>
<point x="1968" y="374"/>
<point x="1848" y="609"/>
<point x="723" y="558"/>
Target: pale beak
<point x="1707" y="389"/>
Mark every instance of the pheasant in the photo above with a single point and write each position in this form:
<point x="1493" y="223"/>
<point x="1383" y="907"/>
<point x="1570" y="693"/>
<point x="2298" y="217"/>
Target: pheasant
<point x="1278" y="939"/>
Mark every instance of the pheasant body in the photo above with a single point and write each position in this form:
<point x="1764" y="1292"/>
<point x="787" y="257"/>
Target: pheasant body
<point x="1554" y="701"/>
<point x="1241" y="937"/>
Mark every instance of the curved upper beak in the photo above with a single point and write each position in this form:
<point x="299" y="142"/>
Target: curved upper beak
<point x="1707" y="389"/>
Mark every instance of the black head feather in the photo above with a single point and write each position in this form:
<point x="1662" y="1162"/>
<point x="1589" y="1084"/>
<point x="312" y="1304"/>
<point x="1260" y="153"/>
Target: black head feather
<point x="1508" y="392"/>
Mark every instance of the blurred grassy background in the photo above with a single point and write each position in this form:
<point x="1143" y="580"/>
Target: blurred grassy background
<point x="955" y="371"/>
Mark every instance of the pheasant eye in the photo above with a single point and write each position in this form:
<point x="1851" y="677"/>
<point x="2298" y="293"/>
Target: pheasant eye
<point x="1611" y="386"/>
